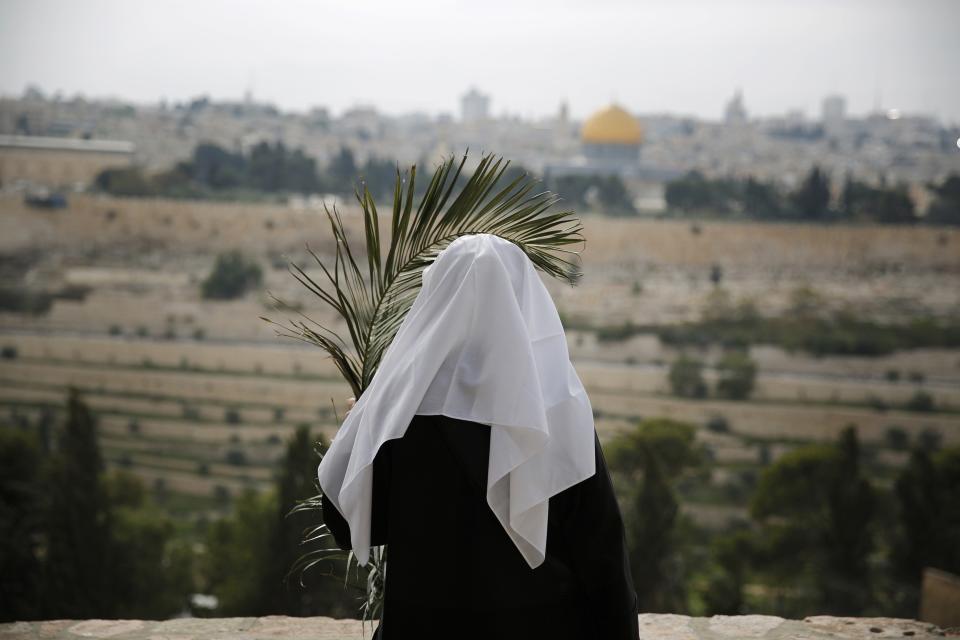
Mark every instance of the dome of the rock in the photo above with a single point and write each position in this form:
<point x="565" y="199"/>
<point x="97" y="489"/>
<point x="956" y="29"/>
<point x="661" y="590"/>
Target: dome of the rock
<point x="612" y="125"/>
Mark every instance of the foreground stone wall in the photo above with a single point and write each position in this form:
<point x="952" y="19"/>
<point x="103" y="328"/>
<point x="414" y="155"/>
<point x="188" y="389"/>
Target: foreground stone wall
<point x="652" y="627"/>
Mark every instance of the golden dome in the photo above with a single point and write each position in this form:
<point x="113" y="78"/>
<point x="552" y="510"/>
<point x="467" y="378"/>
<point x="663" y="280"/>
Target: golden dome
<point x="612" y="125"/>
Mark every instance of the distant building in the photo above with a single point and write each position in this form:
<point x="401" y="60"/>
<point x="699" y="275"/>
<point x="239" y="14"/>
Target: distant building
<point x="59" y="162"/>
<point x="735" y="113"/>
<point x="474" y="106"/>
<point x="833" y="113"/>
<point x="610" y="142"/>
<point x="611" y="139"/>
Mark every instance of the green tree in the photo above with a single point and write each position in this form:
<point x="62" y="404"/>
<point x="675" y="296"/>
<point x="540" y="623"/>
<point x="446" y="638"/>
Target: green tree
<point x="607" y="193"/>
<point x="816" y="510"/>
<point x="894" y="206"/>
<point x="614" y="196"/>
<point x="250" y="553"/>
<point x="863" y="201"/>
<point x="650" y="540"/>
<point x="20" y="526"/>
<point x="379" y="175"/>
<point x="695" y="193"/>
<point x="214" y="166"/>
<point x="151" y="569"/>
<point x="945" y="207"/>
<point x="127" y="181"/>
<point x="812" y="199"/>
<point x="736" y="375"/>
<point x="343" y="172"/>
<point x="76" y="583"/>
<point x="672" y="443"/>
<point x="928" y="512"/>
<point x="761" y="200"/>
<point x="233" y="275"/>
<point x="321" y="593"/>
<point x="730" y="554"/>
<point x="274" y="168"/>
<point x="686" y="378"/>
<point x="239" y="558"/>
<point x="846" y="583"/>
<point x="106" y="551"/>
<point x="644" y="462"/>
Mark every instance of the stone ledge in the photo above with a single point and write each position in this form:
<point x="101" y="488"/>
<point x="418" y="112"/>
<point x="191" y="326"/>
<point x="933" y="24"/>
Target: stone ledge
<point x="652" y="626"/>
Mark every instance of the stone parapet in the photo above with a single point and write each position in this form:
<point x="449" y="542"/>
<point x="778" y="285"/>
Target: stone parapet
<point x="653" y="626"/>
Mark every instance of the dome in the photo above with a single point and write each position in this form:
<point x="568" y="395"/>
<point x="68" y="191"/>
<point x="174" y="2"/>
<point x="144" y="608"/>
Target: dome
<point x="612" y="125"/>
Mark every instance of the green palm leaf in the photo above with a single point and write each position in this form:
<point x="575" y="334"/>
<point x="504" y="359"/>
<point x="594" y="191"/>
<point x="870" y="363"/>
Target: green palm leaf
<point x="373" y="301"/>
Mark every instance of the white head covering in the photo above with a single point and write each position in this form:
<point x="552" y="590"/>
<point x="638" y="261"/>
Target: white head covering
<point x="482" y="342"/>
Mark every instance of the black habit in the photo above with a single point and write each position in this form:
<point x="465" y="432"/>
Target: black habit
<point x="452" y="571"/>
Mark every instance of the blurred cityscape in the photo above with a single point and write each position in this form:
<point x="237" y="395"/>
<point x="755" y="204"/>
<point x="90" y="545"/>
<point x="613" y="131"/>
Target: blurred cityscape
<point x="645" y="151"/>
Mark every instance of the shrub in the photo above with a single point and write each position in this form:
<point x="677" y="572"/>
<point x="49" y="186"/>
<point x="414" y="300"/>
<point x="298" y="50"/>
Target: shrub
<point x="686" y="378"/>
<point x="21" y="300"/>
<point x="897" y="438"/>
<point x="221" y="493"/>
<point x="921" y="401"/>
<point x="617" y="333"/>
<point x="737" y="373"/>
<point x="236" y="457"/>
<point x="930" y="439"/>
<point x="233" y="274"/>
<point x="718" y="424"/>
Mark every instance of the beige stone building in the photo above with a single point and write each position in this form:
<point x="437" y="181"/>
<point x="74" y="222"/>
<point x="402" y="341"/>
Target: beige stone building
<point x="59" y="162"/>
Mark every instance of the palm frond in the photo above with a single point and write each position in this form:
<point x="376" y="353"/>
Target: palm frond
<point x="372" y="301"/>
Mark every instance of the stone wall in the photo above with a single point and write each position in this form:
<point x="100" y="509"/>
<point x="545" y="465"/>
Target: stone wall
<point x="652" y="626"/>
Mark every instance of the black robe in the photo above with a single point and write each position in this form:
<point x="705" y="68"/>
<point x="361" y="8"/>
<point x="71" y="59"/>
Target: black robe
<point x="452" y="571"/>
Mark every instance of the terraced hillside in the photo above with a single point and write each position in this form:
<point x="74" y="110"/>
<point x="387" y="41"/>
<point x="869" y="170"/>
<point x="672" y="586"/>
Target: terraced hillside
<point x="198" y="396"/>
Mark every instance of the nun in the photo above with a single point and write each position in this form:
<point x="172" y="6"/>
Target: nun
<point x="473" y="456"/>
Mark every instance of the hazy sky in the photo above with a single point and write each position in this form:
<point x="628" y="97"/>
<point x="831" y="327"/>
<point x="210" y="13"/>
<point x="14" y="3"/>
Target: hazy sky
<point x="682" y="56"/>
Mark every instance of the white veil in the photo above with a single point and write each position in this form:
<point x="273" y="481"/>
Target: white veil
<point x="482" y="342"/>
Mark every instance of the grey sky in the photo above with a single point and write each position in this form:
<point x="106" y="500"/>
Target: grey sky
<point x="681" y="56"/>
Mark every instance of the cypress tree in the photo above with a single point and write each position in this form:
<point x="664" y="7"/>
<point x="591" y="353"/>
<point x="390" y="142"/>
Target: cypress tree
<point x="848" y="539"/>
<point x="650" y="537"/>
<point x="76" y="578"/>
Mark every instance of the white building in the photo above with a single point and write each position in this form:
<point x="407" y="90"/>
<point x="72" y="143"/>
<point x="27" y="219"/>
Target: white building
<point x="474" y="106"/>
<point x="735" y="112"/>
<point x="834" y="112"/>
